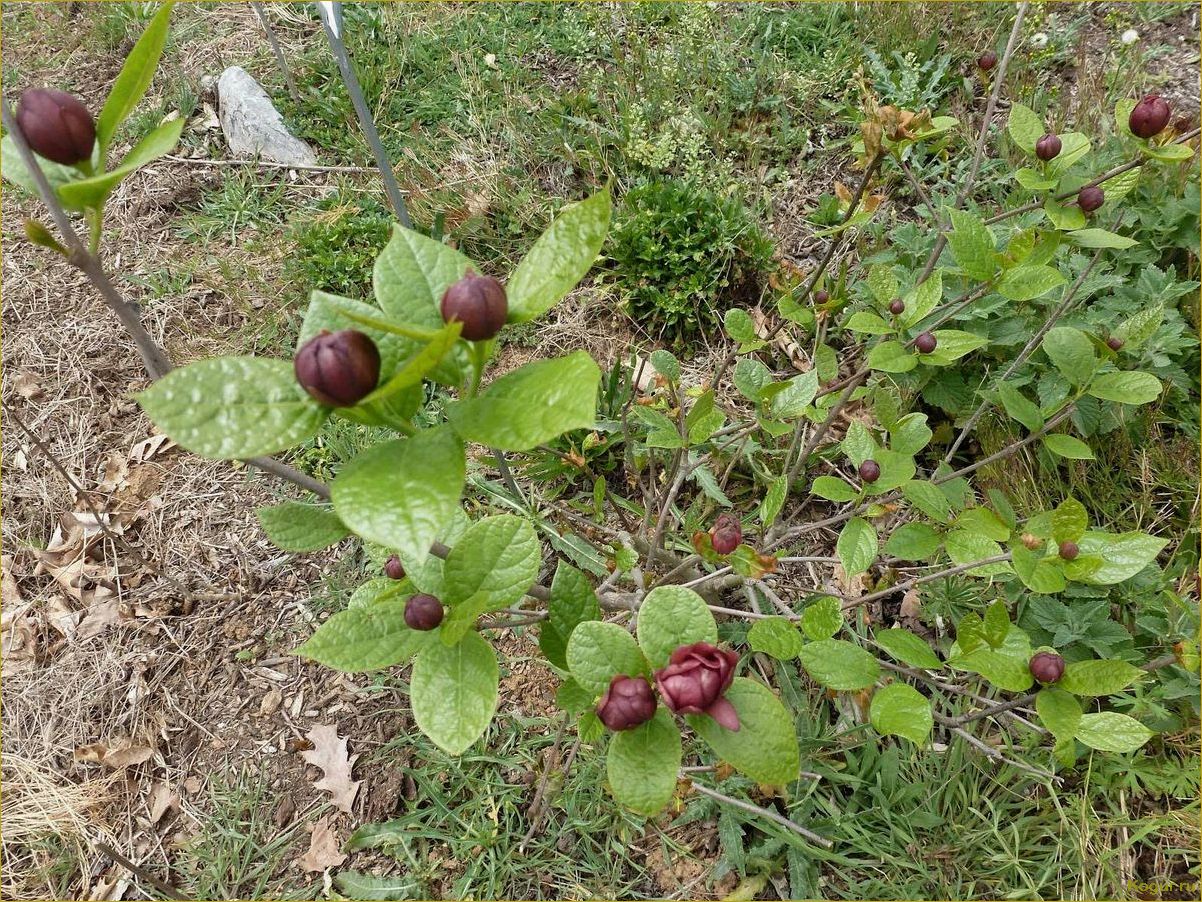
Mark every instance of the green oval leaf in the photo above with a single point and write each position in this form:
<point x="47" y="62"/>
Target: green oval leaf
<point x="533" y="404"/>
<point x="402" y="493"/>
<point x="454" y="692"/>
<point x="233" y="407"/>
<point x="840" y="665"/>
<point x="559" y="258"/>
<point x="901" y="710"/>
<point x="765" y="745"/>
<point x="672" y="616"/>
<point x="643" y="764"/>
<point x="599" y="651"/>
<point x="498" y="558"/>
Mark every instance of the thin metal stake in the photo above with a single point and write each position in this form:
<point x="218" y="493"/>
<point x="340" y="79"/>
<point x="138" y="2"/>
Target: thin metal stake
<point x="331" y="20"/>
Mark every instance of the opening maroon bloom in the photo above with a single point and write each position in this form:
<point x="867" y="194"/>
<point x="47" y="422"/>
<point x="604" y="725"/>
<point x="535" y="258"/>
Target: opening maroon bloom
<point x="696" y="677"/>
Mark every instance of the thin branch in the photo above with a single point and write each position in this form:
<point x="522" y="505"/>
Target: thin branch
<point x="275" y="49"/>
<point x="978" y="156"/>
<point x="154" y="358"/>
<point x="1101" y="179"/>
<point x="849" y="604"/>
<point x="536" y="807"/>
<point x="774" y="816"/>
<point x="265" y="164"/>
<point x="1069" y="296"/>
<point x="138" y="871"/>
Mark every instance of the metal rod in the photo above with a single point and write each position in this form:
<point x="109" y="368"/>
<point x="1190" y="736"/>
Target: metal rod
<point x="331" y="21"/>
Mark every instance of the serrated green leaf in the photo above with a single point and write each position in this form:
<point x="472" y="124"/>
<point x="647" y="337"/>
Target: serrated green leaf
<point x="1123" y="555"/>
<point x="1000" y="669"/>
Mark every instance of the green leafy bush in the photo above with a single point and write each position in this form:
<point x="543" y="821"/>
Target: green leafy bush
<point x="683" y="255"/>
<point x="337" y="245"/>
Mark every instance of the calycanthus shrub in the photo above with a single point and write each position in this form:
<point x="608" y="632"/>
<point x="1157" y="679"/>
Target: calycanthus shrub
<point x="646" y="674"/>
<point x="638" y="652"/>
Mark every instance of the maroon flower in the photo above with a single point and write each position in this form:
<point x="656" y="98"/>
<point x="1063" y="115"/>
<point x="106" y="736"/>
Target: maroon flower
<point x="1048" y="147"/>
<point x="56" y="125"/>
<point x="1149" y="116"/>
<point x="423" y="612"/>
<point x="479" y="303"/>
<point x="726" y="534"/>
<point x="1046" y="666"/>
<point x="987" y="60"/>
<point x="1090" y="198"/>
<point x="694" y="680"/>
<point x="338" y="369"/>
<point x="393" y="568"/>
<point x="627" y="703"/>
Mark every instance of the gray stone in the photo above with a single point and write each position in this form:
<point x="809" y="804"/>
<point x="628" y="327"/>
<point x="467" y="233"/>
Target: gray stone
<point x="252" y="125"/>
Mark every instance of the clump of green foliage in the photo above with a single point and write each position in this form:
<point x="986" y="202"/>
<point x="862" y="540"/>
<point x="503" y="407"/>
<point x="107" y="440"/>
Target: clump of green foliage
<point x="683" y="255"/>
<point x="337" y="244"/>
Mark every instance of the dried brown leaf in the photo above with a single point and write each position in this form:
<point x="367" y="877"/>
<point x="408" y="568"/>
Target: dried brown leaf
<point x="330" y="754"/>
<point x="325" y="849"/>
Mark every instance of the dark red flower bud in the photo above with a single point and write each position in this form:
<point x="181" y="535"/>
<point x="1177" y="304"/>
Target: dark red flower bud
<point x="627" y="703"/>
<point x="897" y="306"/>
<point x="726" y="534"/>
<point x="1069" y="551"/>
<point x="821" y="297"/>
<point x="1046" y="666"/>
<point x="56" y="125"/>
<point x="1114" y="343"/>
<point x="987" y="60"/>
<point x="925" y="342"/>
<point x="338" y="368"/>
<point x="393" y="568"/>
<point x="479" y="303"/>
<point x="870" y="471"/>
<point x="694" y="680"/>
<point x="1048" y="147"/>
<point x="1149" y="116"/>
<point x="423" y="612"/>
<point x="1089" y="199"/>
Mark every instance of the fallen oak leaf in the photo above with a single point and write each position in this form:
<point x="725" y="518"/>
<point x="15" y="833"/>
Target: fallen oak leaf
<point x="330" y="754"/>
<point x="324" y="846"/>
